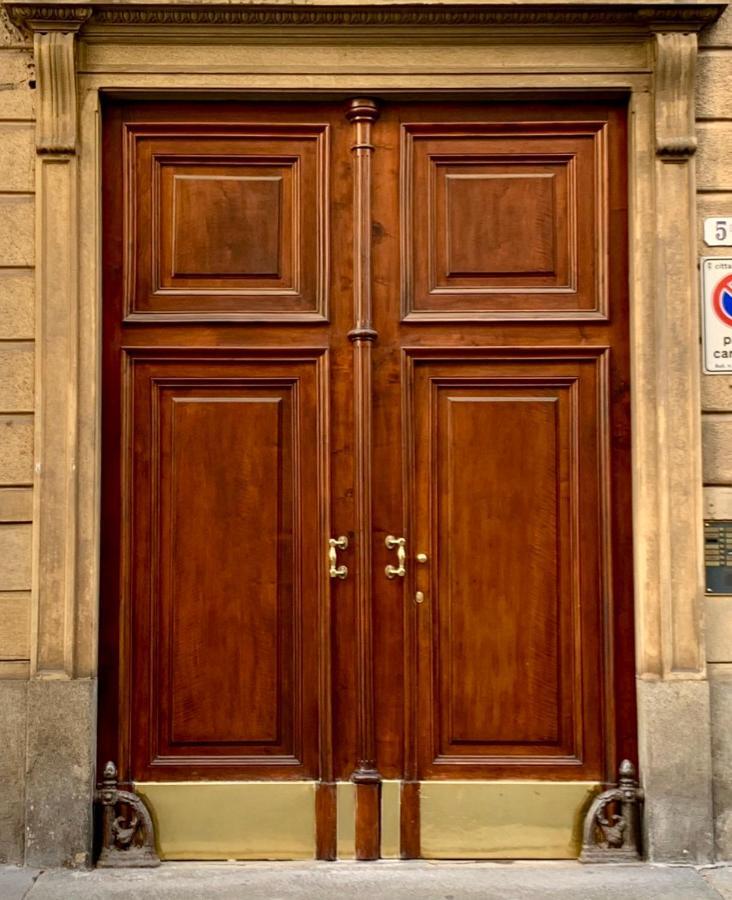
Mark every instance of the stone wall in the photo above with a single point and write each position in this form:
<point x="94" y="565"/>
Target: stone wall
<point x="16" y="423"/>
<point x="714" y="186"/>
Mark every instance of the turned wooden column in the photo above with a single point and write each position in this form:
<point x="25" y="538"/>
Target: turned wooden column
<point x="362" y="114"/>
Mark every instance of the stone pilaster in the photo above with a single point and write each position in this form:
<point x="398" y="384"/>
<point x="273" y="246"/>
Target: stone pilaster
<point x="61" y="706"/>
<point x="673" y="693"/>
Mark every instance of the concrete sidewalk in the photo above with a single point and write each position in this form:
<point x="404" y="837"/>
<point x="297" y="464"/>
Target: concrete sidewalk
<point x="376" y="881"/>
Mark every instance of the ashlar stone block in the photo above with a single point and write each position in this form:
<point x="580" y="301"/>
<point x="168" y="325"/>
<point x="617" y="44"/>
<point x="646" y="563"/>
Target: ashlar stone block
<point x="16" y="304"/>
<point x="15" y="557"/>
<point x="17" y="156"/>
<point x="720" y="685"/>
<point x="13" y="717"/>
<point x="713" y="76"/>
<point x="717" y="448"/>
<point x="714" y="156"/>
<point x="17" y="99"/>
<point x="16" y="377"/>
<point x="16" y="230"/>
<point x="16" y="449"/>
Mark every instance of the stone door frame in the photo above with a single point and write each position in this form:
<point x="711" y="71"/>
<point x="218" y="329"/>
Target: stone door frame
<point x="646" y="50"/>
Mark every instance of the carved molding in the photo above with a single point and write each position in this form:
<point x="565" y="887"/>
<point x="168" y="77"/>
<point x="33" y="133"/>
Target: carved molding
<point x="127" y="831"/>
<point x="647" y="15"/>
<point x="611" y="832"/>
<point x="55" y="57"/>
<point x="674" y="95"/>
<point x="10" y="34"/>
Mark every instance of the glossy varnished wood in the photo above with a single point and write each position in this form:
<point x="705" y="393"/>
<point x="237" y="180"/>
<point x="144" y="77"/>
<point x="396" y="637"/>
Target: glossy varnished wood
<point x="404" y="324"/>
<point x="262" y="190"/>
<point x="501" y="441"/>
<point x="362" y="114"/>
<point x="255" y="409"/>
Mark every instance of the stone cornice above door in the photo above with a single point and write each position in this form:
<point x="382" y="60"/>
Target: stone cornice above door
<point x="647" y="15"/>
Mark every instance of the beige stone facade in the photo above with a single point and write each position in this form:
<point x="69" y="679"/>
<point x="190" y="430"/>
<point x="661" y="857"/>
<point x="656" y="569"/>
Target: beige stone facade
<point x="17" y="178"/>
<point x="48" y="220"/>
<point x="714" y="191"/>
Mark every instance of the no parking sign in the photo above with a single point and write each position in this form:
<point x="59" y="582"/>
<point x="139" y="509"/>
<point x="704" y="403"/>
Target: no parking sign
<point x="717" y="314"/>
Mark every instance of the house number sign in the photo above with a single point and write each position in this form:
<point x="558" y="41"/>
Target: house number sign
<point x="718" y="231"/>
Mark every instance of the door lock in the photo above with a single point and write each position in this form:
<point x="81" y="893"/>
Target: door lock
<point x="400" y="545"/>
<point x="334" y="545"/>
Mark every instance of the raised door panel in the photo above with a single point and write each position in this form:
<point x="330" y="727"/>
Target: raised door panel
<point x="509" y="505"/>
<point x="226" y="588"/>
<point x="230" y="222"/>
<point x="503" y="221"/>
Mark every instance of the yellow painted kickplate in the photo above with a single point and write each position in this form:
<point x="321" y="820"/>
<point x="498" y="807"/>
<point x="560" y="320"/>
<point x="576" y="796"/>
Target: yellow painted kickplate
<point x="346" y="819"/>
<point x="232" y="820"/>
<point x="503" y="819"/>
<point x="390" y="826"/>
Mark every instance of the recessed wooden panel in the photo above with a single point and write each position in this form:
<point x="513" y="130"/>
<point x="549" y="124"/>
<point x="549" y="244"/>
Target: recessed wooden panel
<point x="481" y="219"/>
<point x="500" y="450"/>
<point x="509" y="464"/>
<point x="243" y="219"/>
<point x="222" y="602"/>
<point x="227" y="223"/>
<point x="503" y="221"/>
<point x="225" y="585"/>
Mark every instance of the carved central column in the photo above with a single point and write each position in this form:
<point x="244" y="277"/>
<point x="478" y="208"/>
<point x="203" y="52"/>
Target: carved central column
<point x="363" y="113"/>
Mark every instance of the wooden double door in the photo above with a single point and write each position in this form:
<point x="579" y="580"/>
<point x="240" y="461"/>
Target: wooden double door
<point x="366" y="493"/>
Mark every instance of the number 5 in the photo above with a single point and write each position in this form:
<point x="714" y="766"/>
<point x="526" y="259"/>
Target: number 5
<point x="721" y="230"/>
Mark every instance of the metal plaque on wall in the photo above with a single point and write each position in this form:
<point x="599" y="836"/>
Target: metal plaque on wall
<point x="718" y="555"/>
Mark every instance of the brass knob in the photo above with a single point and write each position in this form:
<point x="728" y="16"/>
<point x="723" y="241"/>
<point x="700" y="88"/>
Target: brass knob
<point x="421" y="557"/>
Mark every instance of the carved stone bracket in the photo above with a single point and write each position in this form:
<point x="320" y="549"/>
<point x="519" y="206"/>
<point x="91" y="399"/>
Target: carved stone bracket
<point x="128" y="835"/>
<point x="611" y="831"/>
<point x="54" y="30"/>
<point x="55" y="56"/>
<point x="674" y="90"/>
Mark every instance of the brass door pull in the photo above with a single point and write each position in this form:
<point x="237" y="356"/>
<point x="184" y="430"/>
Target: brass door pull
<point x="334" y="545"/>
<point x="400" y="545"/>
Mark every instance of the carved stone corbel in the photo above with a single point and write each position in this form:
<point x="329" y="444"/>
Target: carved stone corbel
<point x="54" y="32"/>
<point x="674" y="92"/>
<point x="611" y="831"/>
<point x="128" y="835"/>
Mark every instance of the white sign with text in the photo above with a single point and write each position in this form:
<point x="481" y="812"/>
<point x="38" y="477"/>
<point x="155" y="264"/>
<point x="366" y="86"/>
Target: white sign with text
<point x="716" y="275"/>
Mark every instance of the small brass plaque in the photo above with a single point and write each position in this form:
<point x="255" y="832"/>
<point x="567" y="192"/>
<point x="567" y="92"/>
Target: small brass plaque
<point x="718" y="555"/>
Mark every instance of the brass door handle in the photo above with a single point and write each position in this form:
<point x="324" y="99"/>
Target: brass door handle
<point x="334" y="545"/>
<point x="400" y="545"/>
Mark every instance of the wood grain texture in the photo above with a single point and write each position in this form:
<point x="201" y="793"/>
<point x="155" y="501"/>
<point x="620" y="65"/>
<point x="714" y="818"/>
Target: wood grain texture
<point x="216" y="619"/>
<point x="243" y="427"/>
<point x="228" y="221"/>
<point x="226" y="490"/>
<point x="362" y="114"/>
<point x="502" y="449"/>
<point x="494" y="214"/>
<point x="511" y="451"/>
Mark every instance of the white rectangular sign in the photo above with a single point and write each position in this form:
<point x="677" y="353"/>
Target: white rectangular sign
<point x="716" y="272"/>
<point x="718" y="231"/>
